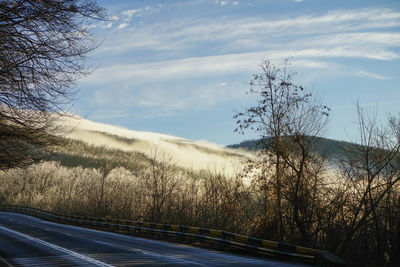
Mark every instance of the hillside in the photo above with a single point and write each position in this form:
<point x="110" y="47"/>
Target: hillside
<point x="332" y="149"/>
<point x="93" y="144"/>
<point x="193" y="155"/>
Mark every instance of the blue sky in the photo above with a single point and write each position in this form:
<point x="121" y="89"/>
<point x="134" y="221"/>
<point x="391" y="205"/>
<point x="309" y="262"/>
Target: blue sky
<point x="183" y="67"/>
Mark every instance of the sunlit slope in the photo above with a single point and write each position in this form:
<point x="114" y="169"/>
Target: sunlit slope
<point x="185" y="153"/>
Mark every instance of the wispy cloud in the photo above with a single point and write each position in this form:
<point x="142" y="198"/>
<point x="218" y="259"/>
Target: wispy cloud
<point x="226" y="2"/>
<point x="210" y="66"/>
<point x="108" y="25"/>
<point x="166" y="56"/>
<point x="221" y="2"/>
<point x="122" y="25"/>
<point x="129" y="13"/>
<point x="167" y="87"/>
<point x="340" y="28"/>
<point x="372" y="75"/>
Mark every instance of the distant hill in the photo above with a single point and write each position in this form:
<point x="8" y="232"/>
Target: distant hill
<point x="93" y="144"/>
<point x="332" y="149"/>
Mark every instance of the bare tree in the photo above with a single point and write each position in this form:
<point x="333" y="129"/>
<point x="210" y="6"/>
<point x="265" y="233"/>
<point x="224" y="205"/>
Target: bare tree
<point x="287" y="119"/>
<point x="373" y="169"/>
<point x="43" y="44"/>
<point x="160" y="183"/>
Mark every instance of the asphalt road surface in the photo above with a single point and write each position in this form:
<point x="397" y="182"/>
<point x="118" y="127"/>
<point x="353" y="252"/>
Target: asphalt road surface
<point x="29" y="241"/>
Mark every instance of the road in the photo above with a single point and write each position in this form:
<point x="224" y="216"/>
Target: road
<point x="29" y="241"/>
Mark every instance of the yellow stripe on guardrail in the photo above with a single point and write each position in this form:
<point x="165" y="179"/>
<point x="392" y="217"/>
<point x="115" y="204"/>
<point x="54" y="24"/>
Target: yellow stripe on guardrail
<point x="174" y="227"/>
<point x="194" y="230"/>
<point x="215" y="233"/>
<point x="269" y="244"/>
<point x="304" y="250"/>
<point x="241" y="239"/>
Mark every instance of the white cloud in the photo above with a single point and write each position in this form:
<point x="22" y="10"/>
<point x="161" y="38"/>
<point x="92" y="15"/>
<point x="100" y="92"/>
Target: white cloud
<point x="122" y="25"/>
<point x="235" y="3"/>
<point x="205" y="66"/>
<point x="221" y="2"/>
<point x="340" y="29"/>
<point x="299" y="1"/>
<point x="108" y="25"/>
<point x="129" y="13"/>
<point x="372" y="75"/>
<point x="311" y="41"/>
<point x="356" y="39"/>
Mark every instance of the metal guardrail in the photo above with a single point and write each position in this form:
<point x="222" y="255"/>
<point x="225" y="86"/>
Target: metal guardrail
<point x="219" y="237"/>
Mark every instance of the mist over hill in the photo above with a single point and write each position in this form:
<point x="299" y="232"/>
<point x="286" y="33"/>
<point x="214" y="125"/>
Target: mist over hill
<point x="93" y="143"/>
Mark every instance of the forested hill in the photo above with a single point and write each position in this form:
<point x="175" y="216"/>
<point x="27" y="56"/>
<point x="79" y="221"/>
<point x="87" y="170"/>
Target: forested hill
<point x="333" y="149"/>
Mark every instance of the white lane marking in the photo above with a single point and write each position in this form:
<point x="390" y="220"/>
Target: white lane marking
<point x="104" y="243"/>
<point x="119" y="237"/>
<point x="67" y="251"/>
<point x="4" y="262"/>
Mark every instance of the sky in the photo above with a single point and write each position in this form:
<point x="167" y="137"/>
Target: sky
<point x="183" y="67"/>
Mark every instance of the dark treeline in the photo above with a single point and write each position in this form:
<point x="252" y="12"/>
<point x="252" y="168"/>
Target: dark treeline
<point x="333" y="150"/>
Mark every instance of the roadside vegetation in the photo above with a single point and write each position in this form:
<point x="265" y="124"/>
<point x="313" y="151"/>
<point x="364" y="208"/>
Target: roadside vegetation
<point x="352" y="210"/>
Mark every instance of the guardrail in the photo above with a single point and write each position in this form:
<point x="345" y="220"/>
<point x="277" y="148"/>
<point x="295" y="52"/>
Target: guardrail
<point x="179" y="232"/>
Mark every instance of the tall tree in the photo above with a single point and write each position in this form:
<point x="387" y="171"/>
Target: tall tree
<point x="287" y="118"/>
<point x="43" y="44"/>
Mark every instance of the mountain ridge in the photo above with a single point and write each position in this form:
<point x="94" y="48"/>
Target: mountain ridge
<point x="331" y="148"/>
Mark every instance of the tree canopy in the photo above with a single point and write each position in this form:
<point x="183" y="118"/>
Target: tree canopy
<point x="43" y="45"/>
